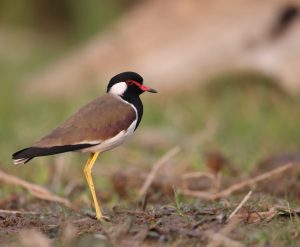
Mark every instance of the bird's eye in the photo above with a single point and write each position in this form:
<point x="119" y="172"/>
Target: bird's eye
<point x="129" y="82"/>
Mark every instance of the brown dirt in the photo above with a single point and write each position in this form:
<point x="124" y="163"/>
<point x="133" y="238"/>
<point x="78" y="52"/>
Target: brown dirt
<point x="165" y="220"/>
<point x="157" y="224"/>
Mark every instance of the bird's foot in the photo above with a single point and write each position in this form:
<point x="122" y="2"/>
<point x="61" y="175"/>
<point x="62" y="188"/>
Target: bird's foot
<point x="100" y="218"/>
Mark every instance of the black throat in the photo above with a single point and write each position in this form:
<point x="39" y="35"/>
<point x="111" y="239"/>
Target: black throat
<point x="137" y="104"/>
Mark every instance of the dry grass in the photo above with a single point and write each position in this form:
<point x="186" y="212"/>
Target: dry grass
<point x="228" y="135"/>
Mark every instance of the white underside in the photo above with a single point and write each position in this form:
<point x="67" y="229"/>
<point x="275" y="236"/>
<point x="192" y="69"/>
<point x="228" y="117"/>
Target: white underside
<point x="116" y="140"/>
<point x="112" y="142"/>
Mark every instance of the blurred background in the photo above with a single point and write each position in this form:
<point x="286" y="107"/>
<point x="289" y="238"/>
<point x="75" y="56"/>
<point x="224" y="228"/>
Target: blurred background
<point x="227" y="73"/>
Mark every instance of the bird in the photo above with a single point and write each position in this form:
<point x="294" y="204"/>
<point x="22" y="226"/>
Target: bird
<point x="100" y="125"/>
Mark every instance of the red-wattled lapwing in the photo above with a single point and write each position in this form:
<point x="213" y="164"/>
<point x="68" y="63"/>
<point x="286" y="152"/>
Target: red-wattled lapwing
<point x="102" y="124"/>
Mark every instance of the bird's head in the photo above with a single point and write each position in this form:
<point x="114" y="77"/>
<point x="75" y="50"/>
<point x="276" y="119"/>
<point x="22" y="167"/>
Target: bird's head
<point x="128" y="83"/>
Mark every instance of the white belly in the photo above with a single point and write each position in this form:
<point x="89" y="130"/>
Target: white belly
<point x="112" y="142"/>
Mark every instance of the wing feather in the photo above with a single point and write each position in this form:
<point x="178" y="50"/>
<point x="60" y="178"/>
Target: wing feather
<point x="101" y="119"/>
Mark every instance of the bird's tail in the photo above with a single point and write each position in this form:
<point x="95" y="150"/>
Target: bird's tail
<point x="21" y="157"/>
<point x="24" y="155"/>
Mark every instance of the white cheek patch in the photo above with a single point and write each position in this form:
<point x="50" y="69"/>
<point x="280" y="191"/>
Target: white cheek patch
<point x="118" y="88"/>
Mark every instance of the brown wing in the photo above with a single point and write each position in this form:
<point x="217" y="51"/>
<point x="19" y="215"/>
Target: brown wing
<point x="99" y="120"/>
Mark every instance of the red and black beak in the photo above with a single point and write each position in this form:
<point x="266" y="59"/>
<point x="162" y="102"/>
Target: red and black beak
<point x="142" y="87"/>
<point x="147" y="89"/>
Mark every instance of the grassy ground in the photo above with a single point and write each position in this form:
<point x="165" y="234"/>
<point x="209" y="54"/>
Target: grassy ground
<point x="243" y="117"/>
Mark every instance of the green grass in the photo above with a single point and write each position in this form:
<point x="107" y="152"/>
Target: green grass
<point x="281" y="232"/>
<point x="254" y="119"/>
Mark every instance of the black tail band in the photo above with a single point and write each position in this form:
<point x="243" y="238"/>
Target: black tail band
<point x="30" y="153"/>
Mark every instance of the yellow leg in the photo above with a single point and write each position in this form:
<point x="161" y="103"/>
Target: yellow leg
<point x="87" y="172"/>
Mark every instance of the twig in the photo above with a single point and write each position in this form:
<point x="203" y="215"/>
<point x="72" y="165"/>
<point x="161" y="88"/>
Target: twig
<point x="34" y="189"/>
<point x="197" y="175"/>
<point x="33" y="237"/>
<point x="238" y="186"/>
<point x="155" y="169"/>
<point x="246" y="198"/>
<point x="199" y="194"/>
<point x="3" y="211"/>
<point x="254" y="180"/>
<point x="221" y="236"/>
<point x="254" y="217"/>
